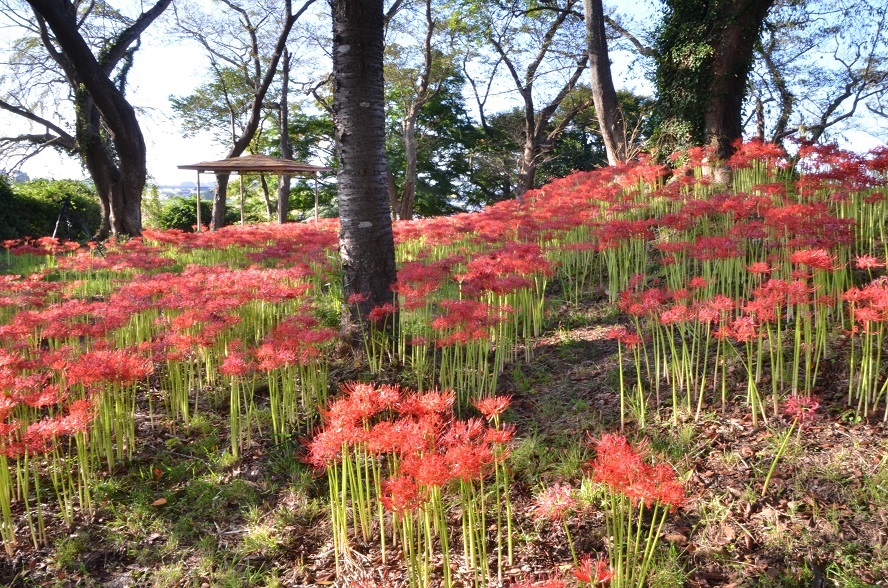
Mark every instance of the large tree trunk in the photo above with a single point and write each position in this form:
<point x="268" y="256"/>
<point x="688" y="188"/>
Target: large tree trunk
<point x="96" y="157"/>
<point x="366" y="242"/>
<point x="119" y="117"/>
<point x="220" y="195"/>
<point x="733" y="46"/>
<point x="603" y="93"/>
<point x="705" y="53"/>
<point x="527" y="165"/>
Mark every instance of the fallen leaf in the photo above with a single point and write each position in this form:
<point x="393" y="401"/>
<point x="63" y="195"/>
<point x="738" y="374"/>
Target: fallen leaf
<point x="159" y="502"/>
<point x="158" y="473"/>
<point x="676" y="538"/>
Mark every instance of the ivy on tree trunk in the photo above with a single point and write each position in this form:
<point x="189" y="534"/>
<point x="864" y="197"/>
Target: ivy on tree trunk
<point x="705" y="53"/>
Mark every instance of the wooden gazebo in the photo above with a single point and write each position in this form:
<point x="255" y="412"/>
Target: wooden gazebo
<point x="256" y="164"/>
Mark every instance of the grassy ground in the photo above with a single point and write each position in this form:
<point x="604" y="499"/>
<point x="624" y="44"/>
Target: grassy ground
<point x="184" y="513"/>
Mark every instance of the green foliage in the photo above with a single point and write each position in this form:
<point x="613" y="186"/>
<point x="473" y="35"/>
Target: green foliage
<point x="445" y="138"/>
<point x="181" y="213"/>
<point x="31" y="209"/>
<point x="311" y="139"/>
<point x="683" y="74"/>
<point x="211" y="105"/>
<point x="151" y="206"/>
<point x="580" y="147"/>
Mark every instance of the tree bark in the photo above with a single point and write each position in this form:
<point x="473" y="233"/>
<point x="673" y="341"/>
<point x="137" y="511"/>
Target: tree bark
<point x="604" y="95"/>
<point x="262" y="84"/>
<point x="366" y="243"/>
<point x="733" y="46"/>
<point x="403" y="208"/>
<point x="285" y="145"/>
<point x="121" y="178"/>
<point x="705" y="54"/>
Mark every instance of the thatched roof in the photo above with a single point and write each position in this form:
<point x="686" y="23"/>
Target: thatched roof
<point x="256" y="164"/>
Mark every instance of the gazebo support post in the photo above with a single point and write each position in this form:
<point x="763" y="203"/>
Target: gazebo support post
<point x="198" y="201"/>
<point x="316" y="196"/>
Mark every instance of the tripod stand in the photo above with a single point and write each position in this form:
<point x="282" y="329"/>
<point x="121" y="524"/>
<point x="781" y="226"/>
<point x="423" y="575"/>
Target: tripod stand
<point x="68" y="213"/>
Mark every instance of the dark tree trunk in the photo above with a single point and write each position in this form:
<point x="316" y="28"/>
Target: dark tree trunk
<point x="603" y="93"/>
<point x="366" y="243"/>
<point x="220" y="193"/>
<point x="705" y="53"/>
<point x="733" y="47"/>
<point x="96" y="157"/>
<point x="124" y="180"/>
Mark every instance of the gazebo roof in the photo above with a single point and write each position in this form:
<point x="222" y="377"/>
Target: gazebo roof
<point x="257" y="163"/>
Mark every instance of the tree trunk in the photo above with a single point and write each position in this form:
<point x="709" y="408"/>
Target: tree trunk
<point x="527" y="166"/>
<point x="733" y="46"/>
<point x="125" y="198"/>
<point x="603" y="93"/>
<point x="96" y="157"/>
<point x="220" y="195"/>
<point x="705" y="53"/>
<point x="286" y="146"/>
<point x="366" y="243"/>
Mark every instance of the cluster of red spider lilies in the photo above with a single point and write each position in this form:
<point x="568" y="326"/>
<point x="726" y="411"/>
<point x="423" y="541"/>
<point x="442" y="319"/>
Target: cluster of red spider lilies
<point x="751" y="287"/>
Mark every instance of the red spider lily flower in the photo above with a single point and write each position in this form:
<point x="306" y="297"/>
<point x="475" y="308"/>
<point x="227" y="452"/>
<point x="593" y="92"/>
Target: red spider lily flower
<point x="79" y="418"/>
<point x="616" y="332"/>
<point x="675" y="314"/>
<point x="401" y="494"/>
<point x="118" y="366"/>
<point x="868" y="262"/>
<point x="434" y="402"/>
<point x="554" y="503"/>
<point x="493" y="406"/>
<point x="468" y="461"/>
<point x="236" y="363"/>
<point x="801" y="408"/>
<point x="379" y="397"/>
<point x="430" y="469"/>
<point x="798" y="292"/>
<point x="756" y="150"/>
<point x="668" y="490"/>
<point x="380" y="313"/>
<point x="625" y="470"/>
<point x="459" y="432"/>
<point x="698" y="282"/>
<point x="358" y="298"/>
<point x="593" y="572"/>
<point x="813" y="258"/>
<point x="744" y="329"/>
<point x="759" y="267"/>
<point x="499" y="436"/>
